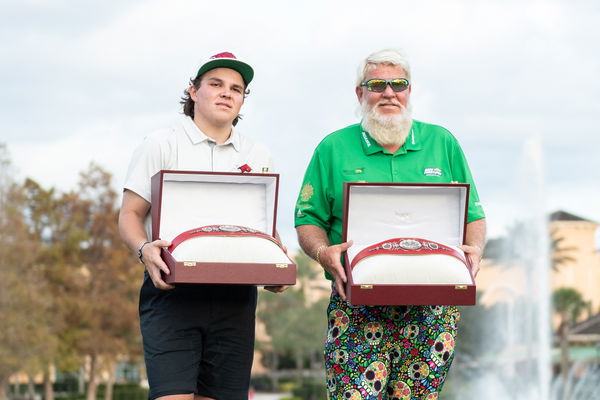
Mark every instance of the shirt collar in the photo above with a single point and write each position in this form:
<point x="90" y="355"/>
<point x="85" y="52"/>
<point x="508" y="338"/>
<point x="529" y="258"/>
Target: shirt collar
<point x="196" y="136"/>
<point x="370" y="146"/>
<point x="412" y="143"/>
<point x="413" y="140"/>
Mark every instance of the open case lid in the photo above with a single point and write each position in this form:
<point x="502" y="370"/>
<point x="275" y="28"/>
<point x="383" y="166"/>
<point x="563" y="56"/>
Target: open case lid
<point x="191" y="199"/>
<point x="376" y="212"/>
<point x="401" y="219"/>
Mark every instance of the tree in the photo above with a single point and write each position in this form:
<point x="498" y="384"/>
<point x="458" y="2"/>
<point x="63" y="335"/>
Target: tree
<point x="107" y="303"/>
<point x="68" y="293"/>
<point x="296" y="326"/>
<point x="560" y="255"/>
<point x="24" y="335"/>
<point x="51" y="227"/>
<point x="89" y="311"/>
<point x="569" y="304"/>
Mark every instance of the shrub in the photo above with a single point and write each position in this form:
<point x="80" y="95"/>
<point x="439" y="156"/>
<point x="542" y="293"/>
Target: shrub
<point x="311" y="389"/>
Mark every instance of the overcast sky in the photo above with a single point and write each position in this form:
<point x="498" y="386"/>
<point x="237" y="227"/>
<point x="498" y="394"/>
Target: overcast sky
<point x="515" y="81"/>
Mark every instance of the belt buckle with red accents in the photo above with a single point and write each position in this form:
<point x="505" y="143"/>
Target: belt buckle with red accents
<point x="407" y="246"/>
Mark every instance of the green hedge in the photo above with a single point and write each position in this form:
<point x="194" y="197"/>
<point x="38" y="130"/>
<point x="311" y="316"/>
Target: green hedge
<point x="311" y="389"/>
<point x="121" y="391"/>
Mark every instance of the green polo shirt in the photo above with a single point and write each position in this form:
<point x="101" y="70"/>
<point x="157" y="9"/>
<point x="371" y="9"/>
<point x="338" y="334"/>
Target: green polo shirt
<point x="430" y="154"/>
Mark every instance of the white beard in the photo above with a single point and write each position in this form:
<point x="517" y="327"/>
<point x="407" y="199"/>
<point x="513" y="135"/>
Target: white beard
<point x="387" y="129"/>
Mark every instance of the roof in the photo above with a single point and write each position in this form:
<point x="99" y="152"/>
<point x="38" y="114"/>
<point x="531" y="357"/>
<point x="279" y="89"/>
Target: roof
<point x="589" y="326"/>
<point x="565" y="216"/>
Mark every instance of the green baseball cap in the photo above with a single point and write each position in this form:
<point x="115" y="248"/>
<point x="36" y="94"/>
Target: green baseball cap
<point x="227" y="60"/>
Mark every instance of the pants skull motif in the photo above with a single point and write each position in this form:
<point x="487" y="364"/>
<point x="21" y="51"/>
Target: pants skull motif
<point x="388" y="352"/>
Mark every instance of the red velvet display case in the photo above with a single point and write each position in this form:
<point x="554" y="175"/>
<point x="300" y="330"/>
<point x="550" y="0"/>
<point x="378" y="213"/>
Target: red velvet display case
<point x="421" y="224"/>
<point x="224" y="226"/>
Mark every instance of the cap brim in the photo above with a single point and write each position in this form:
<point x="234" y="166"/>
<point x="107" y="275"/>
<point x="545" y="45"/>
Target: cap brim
<point x="244" y="69"/>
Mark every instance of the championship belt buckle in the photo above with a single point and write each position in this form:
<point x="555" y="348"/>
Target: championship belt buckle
<point x="410" y="261"/>
<point x="220" y="230"/>
<point x="407" y="246"/>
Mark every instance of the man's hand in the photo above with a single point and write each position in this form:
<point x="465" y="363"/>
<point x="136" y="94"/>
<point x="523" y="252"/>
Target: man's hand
<point x="474" y="254"/>
<point x="313" y="240"/>
<point x="276" y="289"/>
<point x="131" y="227"/>
<point x="475" y="242"/>
<point x="330" y="261"/>
<point x="154" y="263"/>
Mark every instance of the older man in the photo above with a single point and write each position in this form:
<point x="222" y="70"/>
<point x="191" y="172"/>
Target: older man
<point x="387" y="146"/>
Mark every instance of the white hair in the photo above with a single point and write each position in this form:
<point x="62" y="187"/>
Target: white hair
<point x="386" y="57"/>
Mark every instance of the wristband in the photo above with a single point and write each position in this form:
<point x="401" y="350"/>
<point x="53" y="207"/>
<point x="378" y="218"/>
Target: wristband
<point x="139" y="252"/>
<point x="319" y="250"/>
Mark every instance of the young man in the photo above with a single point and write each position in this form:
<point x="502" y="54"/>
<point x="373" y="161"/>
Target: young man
<point x="387" y="146"/>
<point x="198" y="340"/>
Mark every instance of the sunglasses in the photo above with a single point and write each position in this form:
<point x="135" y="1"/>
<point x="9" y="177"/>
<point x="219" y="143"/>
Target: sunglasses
<point x="379" y="85"/>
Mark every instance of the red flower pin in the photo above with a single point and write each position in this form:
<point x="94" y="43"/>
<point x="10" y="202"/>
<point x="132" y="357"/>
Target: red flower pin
<point x="245" y="168"/>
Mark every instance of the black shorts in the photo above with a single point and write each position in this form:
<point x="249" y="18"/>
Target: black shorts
<point x="198" y="339"/>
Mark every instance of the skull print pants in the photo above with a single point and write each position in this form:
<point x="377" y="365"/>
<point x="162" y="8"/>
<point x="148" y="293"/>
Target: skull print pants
<point x="388" y="352"/>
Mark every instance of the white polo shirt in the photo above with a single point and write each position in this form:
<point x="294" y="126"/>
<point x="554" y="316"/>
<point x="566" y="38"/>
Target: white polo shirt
<point x="185" y="147"/>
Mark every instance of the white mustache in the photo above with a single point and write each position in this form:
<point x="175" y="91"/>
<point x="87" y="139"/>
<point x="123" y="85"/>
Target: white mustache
<point x="393" y="102"/>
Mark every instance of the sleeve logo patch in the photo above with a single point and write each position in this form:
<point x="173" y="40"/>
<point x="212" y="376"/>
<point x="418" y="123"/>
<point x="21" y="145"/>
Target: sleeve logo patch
<point x="432" y="172"/>
<point x="307" y="192"/>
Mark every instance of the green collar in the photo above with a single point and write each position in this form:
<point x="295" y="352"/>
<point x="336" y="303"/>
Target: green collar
<point x="370" y="146"/>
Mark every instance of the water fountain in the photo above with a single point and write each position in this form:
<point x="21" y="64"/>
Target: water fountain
<point x="512" y="360"/>
<point x="583" y="383"/>
<point x="512" y="324"/>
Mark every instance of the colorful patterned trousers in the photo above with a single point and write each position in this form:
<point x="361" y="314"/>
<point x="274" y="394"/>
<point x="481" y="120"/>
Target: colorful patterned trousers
<point x="388" y="352"/>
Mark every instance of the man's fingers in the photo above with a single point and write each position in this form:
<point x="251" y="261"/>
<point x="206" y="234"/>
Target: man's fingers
<point x="276" y="289"/>
<point x="341" y="274"/>
<point x="157" y="263"/>
<point x="163" y="286"/>
<point x="156" y="266"/>
<point x="158" y="282"/>
<point x="346" y="245"/>
<point x="472" y="250"/>
<point x="474" y="254"/>
<point x="161" y="243"/>
<point x="339" y="287"/>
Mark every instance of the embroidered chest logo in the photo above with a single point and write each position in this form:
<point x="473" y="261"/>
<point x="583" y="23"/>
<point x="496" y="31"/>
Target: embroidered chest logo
<point x="432" y="172"/>
<point x="245" y="168"/>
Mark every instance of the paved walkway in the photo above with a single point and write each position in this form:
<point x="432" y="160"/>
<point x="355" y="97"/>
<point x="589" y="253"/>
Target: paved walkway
<point x="268" y="396"/>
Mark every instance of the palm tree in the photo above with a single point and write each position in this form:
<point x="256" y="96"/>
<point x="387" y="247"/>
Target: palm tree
<point x="559" y="254"/>
<point x="569" y="304"/>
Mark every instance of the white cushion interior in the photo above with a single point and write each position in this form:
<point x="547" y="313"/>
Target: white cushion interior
<point x="378" y="213"/>
<point x="411" y="269"/>
<point x="190" y="201"/>
<point x="231" y="249"/>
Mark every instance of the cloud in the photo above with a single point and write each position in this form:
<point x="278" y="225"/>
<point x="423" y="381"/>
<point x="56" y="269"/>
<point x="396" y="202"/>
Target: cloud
<point x="81" y="85"/>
